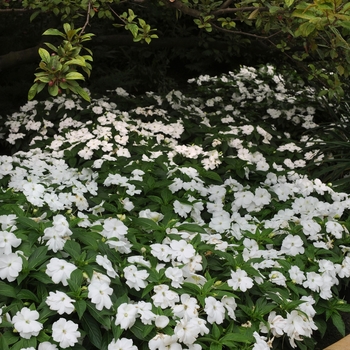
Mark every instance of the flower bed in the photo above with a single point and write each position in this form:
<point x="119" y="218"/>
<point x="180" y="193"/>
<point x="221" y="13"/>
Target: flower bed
<point x="177" y="221"/>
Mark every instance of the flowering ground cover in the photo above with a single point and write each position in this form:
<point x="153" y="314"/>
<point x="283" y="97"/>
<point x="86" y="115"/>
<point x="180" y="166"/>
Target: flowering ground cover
<point x="185" y="221"/>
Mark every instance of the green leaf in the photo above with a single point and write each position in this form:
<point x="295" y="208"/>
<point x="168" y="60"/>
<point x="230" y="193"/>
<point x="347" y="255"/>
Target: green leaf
<point x="142" y="331"/>
<point x="215" y="331"/>
<point x="344" y="24"/>
<point x="338" y="323"/>
<point x="76" y="280"/>
<point x="53" y="31"/>
<point x="289" y="3"/>
<point x="53" y="90"/>
<point x="212" y="175"/>
<point x="52" y="47"/>
<point x="235" y="337"/>
<point x="99" y="316"/>
<point x="25" y="343"/>
<point x="32" y="91"/>
<point x="92" y="329"/>
<point x="133" y="28"/>
<point x="73" y="249"/>
<point x="45" y="56"/>
<point x="6" y="290"/>
<point x="79" y="62"/>
<point x="305" y="29"/>
<point x="80" y="307"/>
<point x="74" y="76"/>
<point x="25" y="294"/>
<point x="27" y="222"/>
<point x="191" y="228"/>
<point x="215" y="346"/>
<point x="82" y="93"/>
<point x="7" y="338"/>
<point x="40" y="276"/>
<point x="146" y="224"/>
<point x="37" y="257"/>
<point x="34" y="15"/>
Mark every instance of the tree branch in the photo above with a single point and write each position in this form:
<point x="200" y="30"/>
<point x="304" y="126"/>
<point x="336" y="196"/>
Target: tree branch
<point x="16" y="58"/>
<point x="244" y="33"/>
<point x="223" y="11"/>
<point x="177" y="4"/>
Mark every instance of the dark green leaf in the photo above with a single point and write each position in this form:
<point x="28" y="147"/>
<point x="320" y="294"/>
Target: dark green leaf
<point x="37" y="257"/>
<point x="92" y="329"/>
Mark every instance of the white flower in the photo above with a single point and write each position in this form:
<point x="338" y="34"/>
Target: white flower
<point x="292" y="245"/>
<point x="175" y="274"/>
<point x="59" y="270"/>
<point x="276" y="325"/>
<point x="153" y="215"/>
<point x="135" y="278"/>
<point x="164" y="297"/>
<point x="122" y="344"/>
<point x="230" y="305"/>
<point x="145" y="311"/>
<point x="215" y="310"/>
<point x="296" y="275"/>
<point x="187" y="330"/>
<point x="182" y="209"/>
<point x="47" y="346"/>
<point x="161" y="321"/>
<point x="25" y="322"/>
<point x="105" y="262"/>
<point x="298" y="325"/>
<point x="164" y="341"/>
<point x="10" y="266"/>
<point x="240" y="280"/>
<point x="8" y="240"/>
<point x="126" y="315"/>
<point x="188" y="307"/>
<point x="261" y="343"/>
<point x="335" y="229"/>
<point x="99" y="293"/>
<point x="60" y="302"/>
<point x="278" y="278"/>
<point x="182" y="251"/>
<point x="65" y="333"/>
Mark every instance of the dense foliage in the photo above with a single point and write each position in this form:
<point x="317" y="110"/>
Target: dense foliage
<point x="313" y="36"/>
<point x="178" y="221"/>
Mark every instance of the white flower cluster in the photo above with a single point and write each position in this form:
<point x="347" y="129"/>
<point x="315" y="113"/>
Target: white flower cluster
<point x="170" y="221"/>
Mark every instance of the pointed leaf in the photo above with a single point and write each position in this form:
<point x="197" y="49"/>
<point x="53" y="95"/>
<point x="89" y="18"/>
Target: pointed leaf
<point x="74" y="76"/>
<point x="45" y="56"/>
<point x="32" y="91"/>
<point x="53" y="31"/>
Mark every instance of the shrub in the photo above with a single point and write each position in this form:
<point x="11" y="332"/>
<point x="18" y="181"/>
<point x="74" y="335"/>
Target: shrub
<point x="182" y="221"/>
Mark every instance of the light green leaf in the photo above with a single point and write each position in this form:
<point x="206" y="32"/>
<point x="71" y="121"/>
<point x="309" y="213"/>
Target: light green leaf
<point x="133" y="28"/>
<point x="53" y="31"/>
<point x="53" y="90"/>
<point x="74" y="76"/>
<point x="77" y="61"/>
<point x="45" y="56"/>
<point x="82" y="93"/>
<point x="32" y="91"/>
<point x="289" y="3"/>
<point x="305" y="29"/>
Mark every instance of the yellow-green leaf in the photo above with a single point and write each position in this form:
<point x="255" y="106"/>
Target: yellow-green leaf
<point x="305" y="29"/>
<point x="45" y="56"/>
<point x="32" y="91"/>
<point x="74" y="76"/>
<point x="53" y="90"/>
<point x="53" y="31"/>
